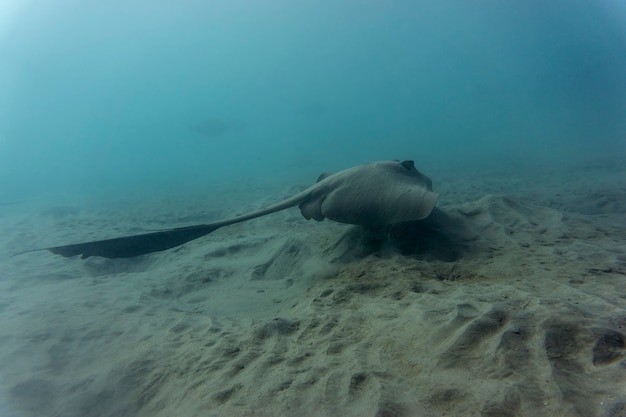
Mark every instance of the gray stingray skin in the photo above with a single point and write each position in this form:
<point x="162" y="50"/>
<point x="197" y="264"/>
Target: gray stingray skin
<point x="371" y="195"/>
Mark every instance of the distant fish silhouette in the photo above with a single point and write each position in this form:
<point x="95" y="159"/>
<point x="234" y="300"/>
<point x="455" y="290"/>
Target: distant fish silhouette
<point x="216" y="127"/>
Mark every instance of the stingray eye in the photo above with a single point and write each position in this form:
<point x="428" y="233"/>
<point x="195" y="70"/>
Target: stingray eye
<point x="409" y="165"/>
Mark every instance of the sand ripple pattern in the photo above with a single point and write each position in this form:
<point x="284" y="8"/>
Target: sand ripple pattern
<point x="291" y="319"/>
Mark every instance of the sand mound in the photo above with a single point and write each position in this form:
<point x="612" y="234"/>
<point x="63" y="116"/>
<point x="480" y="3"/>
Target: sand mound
<point x="496" y="307"/>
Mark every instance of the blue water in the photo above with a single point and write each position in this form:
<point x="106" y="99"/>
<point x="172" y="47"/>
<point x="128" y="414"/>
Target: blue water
<point x="115" y="95"/>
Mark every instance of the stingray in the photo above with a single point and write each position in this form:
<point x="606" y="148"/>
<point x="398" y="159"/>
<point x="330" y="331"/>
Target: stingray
<point x="374" y="195"/>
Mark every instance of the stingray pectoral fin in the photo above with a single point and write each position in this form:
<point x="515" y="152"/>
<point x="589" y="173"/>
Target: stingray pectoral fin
<point x="427" y="205"/>
<point x="312" y="209"/>
<point x="129" y="246"/>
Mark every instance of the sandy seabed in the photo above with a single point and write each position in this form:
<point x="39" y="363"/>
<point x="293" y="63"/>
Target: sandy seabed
<point x="515" y="305"/>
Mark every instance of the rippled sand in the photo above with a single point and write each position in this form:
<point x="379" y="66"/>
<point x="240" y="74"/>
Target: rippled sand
<point x="511" y="303"/>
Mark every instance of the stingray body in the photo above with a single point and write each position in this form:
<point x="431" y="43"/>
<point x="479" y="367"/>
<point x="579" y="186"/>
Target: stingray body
<point x="372" y="195"/>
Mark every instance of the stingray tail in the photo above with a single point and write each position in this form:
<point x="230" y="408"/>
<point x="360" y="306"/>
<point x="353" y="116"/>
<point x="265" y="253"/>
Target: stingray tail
<point x="156" y="241"/>
<point x="129" y="246"/>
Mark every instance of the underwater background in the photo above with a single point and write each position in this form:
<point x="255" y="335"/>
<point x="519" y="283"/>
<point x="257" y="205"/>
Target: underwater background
<point x="134" y="95"/>
<point x="128" y="117"/>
